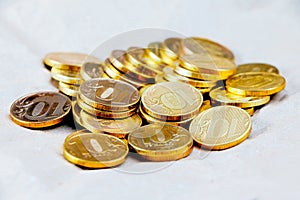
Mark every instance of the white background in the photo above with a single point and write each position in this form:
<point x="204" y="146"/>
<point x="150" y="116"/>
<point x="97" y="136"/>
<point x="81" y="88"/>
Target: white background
<point x="265" y="166"/>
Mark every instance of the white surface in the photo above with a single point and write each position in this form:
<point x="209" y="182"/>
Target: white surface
<point x="263" y="167"/>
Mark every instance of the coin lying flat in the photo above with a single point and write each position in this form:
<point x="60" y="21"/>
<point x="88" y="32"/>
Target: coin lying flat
<point x="91" y="70"/>
<point x="203" y="64"/>
<point x="108" y="94"/>
<point x="171" y="101"/>
<point x="170" y="75"/>
<point x="222" y="97"/>
<point x="161" y="142"/>
<point x="68" y="89"/>
<point x="196" y="45"/>
<point x="68" y="61"/>
<point x="94" y="150"/>
<point x="257" y="67"/>
<point x="117" y="127"/>
<point x="255" y="84"/>
<point x="221" y="127"/>
<point x="66" y="76"/>
<point x="39" y="110"/>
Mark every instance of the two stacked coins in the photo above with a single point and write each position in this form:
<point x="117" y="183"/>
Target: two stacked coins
<point x="107" y="105"/>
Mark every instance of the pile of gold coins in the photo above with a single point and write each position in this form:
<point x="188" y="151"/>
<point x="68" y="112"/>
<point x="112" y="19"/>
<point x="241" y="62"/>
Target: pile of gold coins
<point x="155" y="101"/>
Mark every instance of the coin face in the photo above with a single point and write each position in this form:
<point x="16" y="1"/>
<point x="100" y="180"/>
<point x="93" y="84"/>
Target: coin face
<point x="171" y="101"/>
<point x="65" y="60"/>
<point x="40" y="110"/>
<point x="203" y="64"/>
<point x="94" y="150"/>
<point x="221" y="127"/>
<point x="116" y="127"/>
<point x="108" y="94"/>
<point x="255" y="84"/>
<point x="91" y="70"/>
<point x="221" y="96"/>
<point x="257" y="67"/>
<point x="161" y="142"/>
<point x="202" y="46"/>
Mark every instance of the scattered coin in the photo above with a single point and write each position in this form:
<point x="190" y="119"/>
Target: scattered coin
<point x="257" y="67"/>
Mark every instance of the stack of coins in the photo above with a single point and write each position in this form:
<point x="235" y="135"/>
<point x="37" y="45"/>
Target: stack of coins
<point x="170" y="102"/>
<point x="67" y="71"/>
<point x="106" y="105"/>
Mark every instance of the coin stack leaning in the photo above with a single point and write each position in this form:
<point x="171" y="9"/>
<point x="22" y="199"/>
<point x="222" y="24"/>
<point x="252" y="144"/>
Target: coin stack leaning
<point x="66" y="70"/>
<point x="107" y="105"/>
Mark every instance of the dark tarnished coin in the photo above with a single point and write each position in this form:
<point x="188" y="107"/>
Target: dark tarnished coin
<point x="161" y="142"/>
<point x="108" y="94"/>
<point x="40" y="110"/>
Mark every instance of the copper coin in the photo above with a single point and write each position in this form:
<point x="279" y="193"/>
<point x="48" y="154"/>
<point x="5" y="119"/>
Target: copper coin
<point x="40" y="110"/>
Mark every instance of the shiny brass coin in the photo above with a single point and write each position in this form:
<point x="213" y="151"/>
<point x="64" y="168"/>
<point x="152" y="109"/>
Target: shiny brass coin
<point x="250" y="111"/>
<point x="68" y="89"/>
<point x="221" y="97"/>
<point x="94" y="150"/>
<point x="68" y="61"/>
<point x="196" y="75"/>
<point x="161" y="142"/>
<point x="39" y="110"/>
<point x="108" y="94"/>
<point x="255" y="84"/>
<point x="91" y="70"/>
<point x="171" y="47"/>
<point x="172" y="101"/>
<point x="66" y="76"/>
<point x="153" y="52"/>
<point x="202" y="64"/>
<point x="202" y="46"/>
<point x="104" y="75"/>
<point x="149" y="119"/>
<point x="160" y="78"/>
<point x="205" y="105"/>
<point x="103" y="113"/>
<point x="257" y="67"/>
<point x="117" y="127"/>
<point x="221" y="127"/>
<point x="76" y="113"/>
<point x="166" y="59"/>
<point x="115" y="74"/>
<point x="170" y="75"/>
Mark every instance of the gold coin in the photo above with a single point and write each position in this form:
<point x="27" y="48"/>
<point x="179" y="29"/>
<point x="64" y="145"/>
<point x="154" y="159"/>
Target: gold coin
<point x="153" y="52"/>
<point x="161" y="142"/>
<point x="66" y="76"/>
<point x="221" y="127"/>
<point x="149" y="119"/>
<point x="203" y="90"/>
<point x="202" y="46"/>
<point x="170" y="75"/>
<point x="115" y="74"/>
<point x="196" y="75"/>
<point x="257" y="67"/>
<point x="76" y="113"/>
<point x="160" y="79"/>
<point x="172" y="101"/>
<point x="39" y="110"/>
<point x="255" y="84"/>
<point x="250" y="111"/>
<point x="205" y="105"/>
<point x="68" y="61"/>
<point x="202" y="64"/>
<point x="221" y="97"/>
<point x="91" y="70"/>
<point x="68" y="89"/>
<point x="103" y="113"/>
<point x="94" y="150"/>
<point x="117" y="127"/>
<point x="108" y="94"/>
<point x="171" y="47"/>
